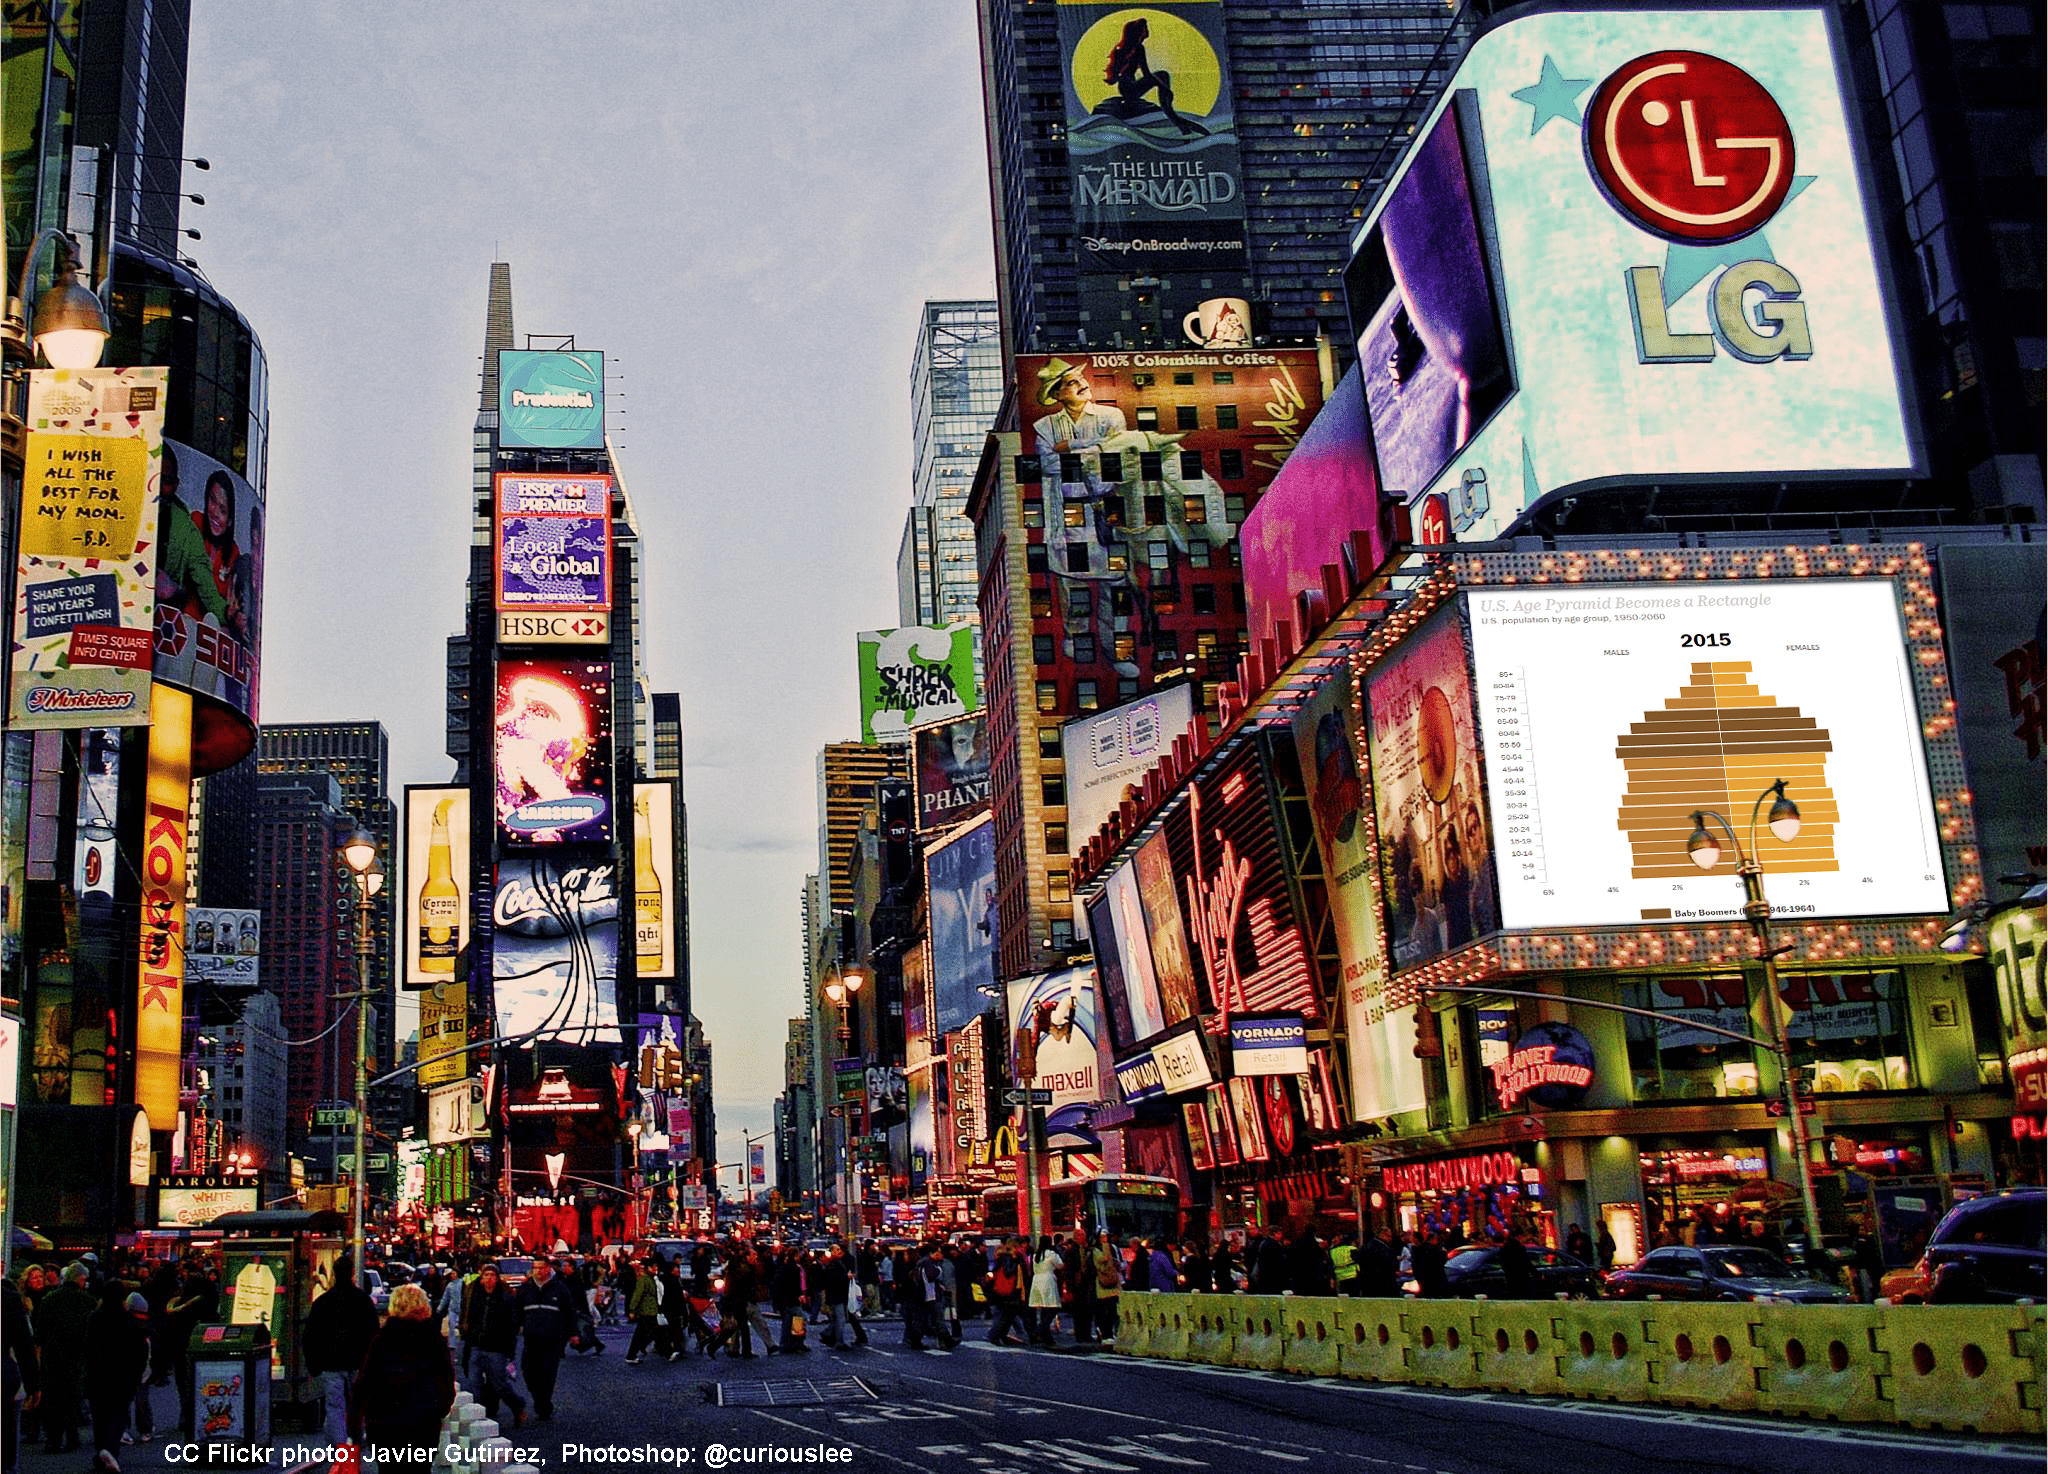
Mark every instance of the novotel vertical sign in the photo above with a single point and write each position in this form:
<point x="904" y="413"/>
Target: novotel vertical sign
<point x="550" y="400"/>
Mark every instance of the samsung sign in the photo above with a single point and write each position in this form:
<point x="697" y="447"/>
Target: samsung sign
<point x="550" y="400"/>
<point x="1276" y="1045"/>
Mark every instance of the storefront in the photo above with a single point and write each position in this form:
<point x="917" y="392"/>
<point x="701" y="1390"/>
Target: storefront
<point x="1471" y="1197"/>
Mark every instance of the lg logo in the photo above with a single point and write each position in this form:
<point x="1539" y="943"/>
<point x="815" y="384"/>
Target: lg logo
<point x="1693" y="149"/>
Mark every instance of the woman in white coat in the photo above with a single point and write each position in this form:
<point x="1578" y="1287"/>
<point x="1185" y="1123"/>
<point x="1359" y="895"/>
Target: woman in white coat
<point x="1044" y="1300"/>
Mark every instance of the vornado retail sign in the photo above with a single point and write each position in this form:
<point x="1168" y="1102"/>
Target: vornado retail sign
<point x="1629" y="244"/>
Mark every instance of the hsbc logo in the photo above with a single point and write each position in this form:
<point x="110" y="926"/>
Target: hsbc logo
<point x="554" y="629"/>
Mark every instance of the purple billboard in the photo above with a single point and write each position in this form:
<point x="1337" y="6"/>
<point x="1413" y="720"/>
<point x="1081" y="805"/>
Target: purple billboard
<point x="554" y="542"/>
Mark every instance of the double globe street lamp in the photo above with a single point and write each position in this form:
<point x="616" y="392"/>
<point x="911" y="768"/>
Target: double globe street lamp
<point x="359" y="853"/>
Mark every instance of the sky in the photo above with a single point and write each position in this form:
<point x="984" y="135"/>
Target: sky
<point x="745" y="208"/>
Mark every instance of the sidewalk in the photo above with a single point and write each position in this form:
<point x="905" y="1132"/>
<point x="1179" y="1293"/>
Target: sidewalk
<point x="142" y="1458"/>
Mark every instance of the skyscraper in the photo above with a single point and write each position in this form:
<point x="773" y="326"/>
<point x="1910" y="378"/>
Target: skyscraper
<point x="956" y="390"/>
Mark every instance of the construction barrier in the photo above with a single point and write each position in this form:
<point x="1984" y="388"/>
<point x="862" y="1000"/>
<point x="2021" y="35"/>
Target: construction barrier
<point x="1966" y="1367"/>
<point x="1371" y="1343"/>
<point x="1311" y="1342"/>
<point x="1169" y="1321"/>
<point x="1518" y="1345"/>
<point x="1214" y="1338"/>
<point x="1823" y="1361"/>
<point x="1707" y="1353"/>
<point x="1605" y="1349"/>
<point x="1259" y="1319"/>
<point x="1440" y="1349"/>
<point x="1133" y="1332"/>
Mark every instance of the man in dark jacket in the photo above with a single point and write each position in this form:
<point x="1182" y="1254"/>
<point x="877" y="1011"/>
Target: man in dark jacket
<point x="23" y="1372"/>
<point x="1266" y="1262"/>
<point x="1007" y="1276"/>
<point x="548" y="1309"/>
<point x="63" y="1340"/>
<point x="490" y="1328"/>
<point x="196" y="1304"/>
<point x="118" y="1363"/>
<point x="1514" y="1267"/>
<point x="1378" y="1266"/>
<point x="337" y="1336"/>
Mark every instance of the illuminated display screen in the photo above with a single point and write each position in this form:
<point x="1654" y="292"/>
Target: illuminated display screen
<point x="553" y="751"/>
<point x="1638" y="705"/>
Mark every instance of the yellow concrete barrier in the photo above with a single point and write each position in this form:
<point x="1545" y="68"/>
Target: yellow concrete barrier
<point x="1605" y="1349"/>
<point x="1169" y="1318"/>
<point x="1440" y="1347"/>
<point x="1214" y="1337"/>
<point x="1967" y="1367"/>
<point x="1133" y="1331"/>
<point x="1823" y="1361"/>
<point x="1518" y="1345"/>
<point x="1706" y="1353"/>
<point x="1310" y="1343"/>
<point x="1259" y="1319"/>
<point x="1371" y="1343"/>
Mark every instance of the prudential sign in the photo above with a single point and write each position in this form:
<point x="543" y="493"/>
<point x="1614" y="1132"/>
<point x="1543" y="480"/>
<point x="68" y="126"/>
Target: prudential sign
<point x="550" y="400"/>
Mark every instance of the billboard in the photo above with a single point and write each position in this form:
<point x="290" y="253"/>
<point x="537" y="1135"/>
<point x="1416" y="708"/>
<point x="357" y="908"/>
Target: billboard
<point x="1108" y="754"/>
<point x="551" y="399"/>
<point x="1123" y="958"/>
<point x="1327" y="491"/>
<point x="222" y="946"/>
<point x="1386" y="1077"/>
<point x="1640" y="704"/>
<point x="1669" y="208"/>
<point x="656" y="905"/>
<point x="555" y="947"/>
<point x="553" y="543"/>
<point x="444" y="1030"/>
<point x="1052" y="1047"/>
<point x="552" y="751"/>
<point x="436" y="871"/>
<point x="960" y="883"/>
<point x="160" y="963"/>
<point x="209" y="582"/>
<point x="1437" y="882"/>
<point x="96" y="852"/>
<point x="86" y="568"/>
<point x="1152" y="145"/>
<point x="1992" y="607"/>
<point x="757" y="1163"/>
<point x="1275" y="1044"/>
<point x="952" y="772"/>
<point x="912" y="676"/>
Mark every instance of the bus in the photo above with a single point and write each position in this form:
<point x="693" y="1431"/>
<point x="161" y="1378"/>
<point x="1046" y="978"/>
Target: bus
<point x="1122" y="1204"/>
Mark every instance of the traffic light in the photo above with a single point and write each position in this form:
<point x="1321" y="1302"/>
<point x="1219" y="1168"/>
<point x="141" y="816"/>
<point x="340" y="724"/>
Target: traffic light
<point x="1429" y="1043"/>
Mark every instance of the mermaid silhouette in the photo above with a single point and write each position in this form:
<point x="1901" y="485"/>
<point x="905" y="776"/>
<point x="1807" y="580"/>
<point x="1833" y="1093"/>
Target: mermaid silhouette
<point x="1133" y="77"/>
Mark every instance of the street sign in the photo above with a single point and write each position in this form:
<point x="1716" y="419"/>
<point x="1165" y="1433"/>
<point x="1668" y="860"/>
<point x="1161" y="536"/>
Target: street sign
<point x="1807" y="1106"/>
<point x="334" y="1115"/>
<point x="1027" y="1097"/>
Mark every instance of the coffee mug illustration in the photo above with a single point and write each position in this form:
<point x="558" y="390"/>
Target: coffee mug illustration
<point x="1220" y="322"/>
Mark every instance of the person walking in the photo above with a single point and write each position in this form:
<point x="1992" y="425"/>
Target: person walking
<point x="842" y="1298"/>
<point x="197" y="1303"/>
<point x="334" y="1339"/>
<point x="675" y="1313"/>
<point x="406" y="1386"/>
<point x="450" y="1308"/>
<point x="63" y="1340"/>
<point x="490" y="1332"/>
<point x="733" y="1303"/>
<point x="1344" y="1264"/>
<point x="1105" y="1267"/>
<point x="547" y="1315"/>
<point x="1377" y="1266"/>
<point x="1044" y="1299"/>
<point x="643" y="1309"/>
<point x="789" y="1293"/>
<point x="1514" y="1267"/>
<point x="1006" y="1276"/>
<point x="20" y="1370"/>
<point x="118" y="1363"/>
<point x="1427" y="1261"/>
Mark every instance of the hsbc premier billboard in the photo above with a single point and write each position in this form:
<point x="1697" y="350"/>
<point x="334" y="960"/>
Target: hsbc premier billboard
<point x="1629" y="243"/>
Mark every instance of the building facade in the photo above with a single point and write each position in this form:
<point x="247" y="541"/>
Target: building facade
<point x="956" y="391"/>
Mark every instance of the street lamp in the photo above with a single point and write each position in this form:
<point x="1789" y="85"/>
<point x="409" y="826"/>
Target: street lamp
<point x="359" y="852"/>
<point x="1705" y="852"/>
<point x="842" y="988"/>
<point x="68" y="324"/>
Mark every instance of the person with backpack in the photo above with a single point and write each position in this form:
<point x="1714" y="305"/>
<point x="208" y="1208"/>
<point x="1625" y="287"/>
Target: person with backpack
<point x="1005" y="1292"/>
<point x="1104" y="1266"/>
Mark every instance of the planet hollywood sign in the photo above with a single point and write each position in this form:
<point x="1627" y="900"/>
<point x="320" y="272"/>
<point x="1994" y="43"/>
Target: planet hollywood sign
<point x="1454" y="1174"/>
<point x="1526" y="1069"/>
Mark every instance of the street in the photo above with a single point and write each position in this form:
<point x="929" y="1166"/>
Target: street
<point x="1014" y="1411"/>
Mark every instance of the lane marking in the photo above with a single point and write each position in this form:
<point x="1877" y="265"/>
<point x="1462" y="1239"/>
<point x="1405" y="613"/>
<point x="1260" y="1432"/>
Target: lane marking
<point x="820" y="1433"/>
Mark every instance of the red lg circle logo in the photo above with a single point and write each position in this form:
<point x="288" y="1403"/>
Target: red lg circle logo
<point x="1689" y="147"/>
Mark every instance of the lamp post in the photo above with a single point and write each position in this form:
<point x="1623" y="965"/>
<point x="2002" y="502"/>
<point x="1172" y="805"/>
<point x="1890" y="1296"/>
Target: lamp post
<point x="68" y="324"/>
<point x="842" y="988"/>
<point x="359" y="850"/>
<point x="1705" y="852"/>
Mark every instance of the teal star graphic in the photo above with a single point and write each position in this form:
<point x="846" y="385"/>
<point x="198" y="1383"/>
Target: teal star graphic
<point x="1553" y="96"/>
<point x="1685" y="267"/>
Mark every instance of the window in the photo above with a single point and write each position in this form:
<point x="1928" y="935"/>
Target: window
<point x="1190" y="465"/>
<point x="1056" y="838"/>
<point x="1203" y="595"/>
<point x="1122" y="601"/>
<point x="1084" y="649"/>
<point x="1057" y="888"/>
<point x="1080" y="603"/>
<point x="1158" y="554"/>
<point x="1027" y="469"/>
<point x="1155" y="511"/>
<point x="1198" y="554"/>
<point x="1194" y="510"/>
<point x="1077" y="557"/>
<point x="1112" y="465"/>
<point x="1070" y="466"/>
<point x="1086" y="698"/>
<point x="1223" y="376"/>
<point x="1187" y="416"/>
<point x="1165" y="600"/>
<point x="1226" y="417"/>
<point x="1052" y="790"/>
<point x="1041" y="603"/>
<point x="1166" y="648"/>
<point x="1048" y="695"/>
<point x="1126" y="688"/>
<point x="1184" y="376"/>
<point x="1060" y="934"/>
<point x="1041" y="649"/>
<point x="1230" y="463"/>
<point x="1034" y="513"/>
<point x="1148" y="417"/>
<point x="1035" y="558"/>
<point x="1048" y="741"/>
<point x="1126" y="648"/>
<point x="1233" y="509"/>
<point x="1150" y="464"/>
<point x="1075" y="514"/>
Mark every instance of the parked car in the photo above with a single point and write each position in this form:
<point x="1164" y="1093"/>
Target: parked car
<point x="1475" y="1270"/>
<point x="380" y="1292"/>
<point x="1985" y="1250"/>
<point x="1718" y="1272"/>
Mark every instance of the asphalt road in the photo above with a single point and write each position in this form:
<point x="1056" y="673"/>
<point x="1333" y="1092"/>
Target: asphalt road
<point x="1008" y="1411"/>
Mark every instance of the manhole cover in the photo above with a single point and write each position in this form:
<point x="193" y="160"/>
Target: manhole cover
<point x="792" y="1392"/>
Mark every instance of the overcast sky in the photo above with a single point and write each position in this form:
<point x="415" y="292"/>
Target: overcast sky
<point x="744" y="207"/>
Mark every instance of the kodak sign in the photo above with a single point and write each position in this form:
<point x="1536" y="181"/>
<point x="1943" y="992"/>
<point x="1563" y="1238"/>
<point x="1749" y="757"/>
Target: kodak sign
<point x="160" y="995"/>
